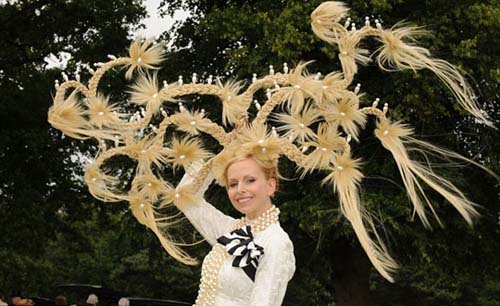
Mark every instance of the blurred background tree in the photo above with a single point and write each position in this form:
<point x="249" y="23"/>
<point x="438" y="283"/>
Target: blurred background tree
<point x="52" y="231"/>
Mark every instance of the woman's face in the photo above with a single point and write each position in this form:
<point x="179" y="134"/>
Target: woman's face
<point x="248" y="188"/>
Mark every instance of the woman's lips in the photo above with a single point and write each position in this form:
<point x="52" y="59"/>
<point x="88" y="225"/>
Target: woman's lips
<point x="243" y="199"/>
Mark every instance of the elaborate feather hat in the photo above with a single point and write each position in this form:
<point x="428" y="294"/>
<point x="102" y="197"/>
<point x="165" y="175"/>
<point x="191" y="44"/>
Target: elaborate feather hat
<point x="319" y="118"/>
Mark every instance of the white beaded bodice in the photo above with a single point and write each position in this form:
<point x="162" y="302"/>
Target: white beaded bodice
<point x="234" y="287"/>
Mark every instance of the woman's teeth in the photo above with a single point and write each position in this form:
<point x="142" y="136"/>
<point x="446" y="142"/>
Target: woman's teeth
<point x="243" y="200"/>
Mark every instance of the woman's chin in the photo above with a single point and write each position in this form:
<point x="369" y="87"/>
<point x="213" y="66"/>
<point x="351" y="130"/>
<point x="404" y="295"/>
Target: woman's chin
<point x="245" y="209"/>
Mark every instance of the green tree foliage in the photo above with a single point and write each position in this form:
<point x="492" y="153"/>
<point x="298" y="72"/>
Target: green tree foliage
<point x="52" y="231"/>
<point x="455" y="266"/>
<point x="40" y="193"/>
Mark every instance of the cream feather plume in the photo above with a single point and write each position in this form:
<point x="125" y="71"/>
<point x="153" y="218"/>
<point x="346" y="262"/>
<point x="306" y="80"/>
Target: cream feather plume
<point x="325" y="24"/>
<point x="68" y="117"/>
<point x="295" y="95"/>
<point x="397" y="54"/>
<point x="233" y="108"/>
<point x="395" y="138"/>
<point x="145" y="92"/>
<point x="146" y="191"/>
<point x="191" y="121"/>
<point x="345" y="112"/>
<point x="298" y="127"/>
<point x="144" y="211"/>
<point x="346" y="177"/>
<point x="325" y="21"/>
<point x="143" y="55"/>
<point x="146" y="151"/>
<point x="184" y="151"/>
<point x="150" y="187"/>
<point x="256" y="140"/>
<point x="101" y="113"/>
<point x="103" y="186"/>
<point x="181" y="196"/>
<point x="332" y="88"/>
<point x="350" y="54"/>
<point x="326" y="147"/>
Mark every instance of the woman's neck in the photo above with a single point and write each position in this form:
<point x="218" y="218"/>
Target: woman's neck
<point x="258" y="214"/>
<point x="269" y="217"/>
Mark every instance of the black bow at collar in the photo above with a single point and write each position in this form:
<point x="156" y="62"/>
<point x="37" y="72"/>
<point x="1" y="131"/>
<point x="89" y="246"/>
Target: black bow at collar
<point x="240" y="244"/>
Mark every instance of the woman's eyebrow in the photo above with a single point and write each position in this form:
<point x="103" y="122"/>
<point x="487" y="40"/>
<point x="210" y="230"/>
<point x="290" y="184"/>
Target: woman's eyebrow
<point x="244" y="177"/>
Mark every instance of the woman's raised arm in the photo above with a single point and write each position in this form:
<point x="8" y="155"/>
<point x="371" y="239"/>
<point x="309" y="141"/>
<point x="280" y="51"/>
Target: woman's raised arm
<point x="208" y="220"/>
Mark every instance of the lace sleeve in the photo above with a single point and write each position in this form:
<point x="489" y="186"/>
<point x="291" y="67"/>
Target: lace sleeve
<point x="275" y="271"/>
<point x="208" y="220"/>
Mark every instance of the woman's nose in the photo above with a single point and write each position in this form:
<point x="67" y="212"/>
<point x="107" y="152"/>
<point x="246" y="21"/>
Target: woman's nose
<point x="241" y="187"/>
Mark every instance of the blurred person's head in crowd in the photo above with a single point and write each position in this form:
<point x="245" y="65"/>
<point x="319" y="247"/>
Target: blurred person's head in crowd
<point x="123" y="302"/>
<point x="61" y="300"/>
<point x="25" y="302"/>
<point x="2" y="298"/>
<point x="92" y="299"/>
<point x="15" y="297"/>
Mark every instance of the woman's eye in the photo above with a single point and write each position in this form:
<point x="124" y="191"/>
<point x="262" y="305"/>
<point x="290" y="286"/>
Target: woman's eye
<point x="251" y="180"/>
<point x="232" y="185"/>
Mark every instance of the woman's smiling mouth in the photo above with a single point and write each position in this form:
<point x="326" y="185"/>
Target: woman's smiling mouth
<point x="243" y="199"/>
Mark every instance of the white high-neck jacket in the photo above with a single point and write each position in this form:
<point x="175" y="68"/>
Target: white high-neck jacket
<point x="234" y="287"/>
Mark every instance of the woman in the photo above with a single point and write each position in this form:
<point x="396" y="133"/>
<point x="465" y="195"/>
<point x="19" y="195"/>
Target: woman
<point x="252" y="258"/>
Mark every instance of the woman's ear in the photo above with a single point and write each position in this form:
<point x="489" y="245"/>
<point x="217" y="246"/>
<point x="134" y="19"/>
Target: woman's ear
<point x="271" y="184"/>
